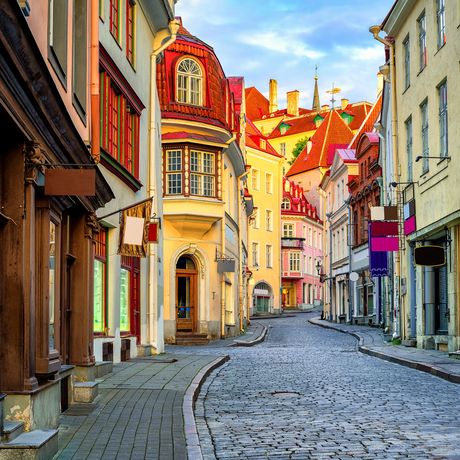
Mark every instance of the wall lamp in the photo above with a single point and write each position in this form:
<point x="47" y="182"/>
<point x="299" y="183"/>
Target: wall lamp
<point x="435" y="158"/>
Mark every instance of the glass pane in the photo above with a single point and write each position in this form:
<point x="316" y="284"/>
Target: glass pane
<point x="99" y="276"/>
<point x="124" y="300"/>
<point x="195" y="184"/>
<point x="195" y="161"/>
<point x="183" y="297"/>
<point x="52" y="283"/>
<point x="208" y="186"/>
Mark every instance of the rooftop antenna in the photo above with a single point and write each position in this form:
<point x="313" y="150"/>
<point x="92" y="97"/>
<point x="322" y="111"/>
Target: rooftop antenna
<point x="334" y="90"/>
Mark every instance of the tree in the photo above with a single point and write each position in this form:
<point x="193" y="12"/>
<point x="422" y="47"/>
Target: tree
<point x="299" y="146"/>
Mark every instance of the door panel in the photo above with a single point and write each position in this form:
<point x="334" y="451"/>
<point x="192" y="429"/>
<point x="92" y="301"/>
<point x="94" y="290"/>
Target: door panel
<point x="185" y="307"/>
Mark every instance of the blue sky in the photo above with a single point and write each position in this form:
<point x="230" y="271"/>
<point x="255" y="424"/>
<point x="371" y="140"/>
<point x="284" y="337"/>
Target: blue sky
<point x="263" y="39"/>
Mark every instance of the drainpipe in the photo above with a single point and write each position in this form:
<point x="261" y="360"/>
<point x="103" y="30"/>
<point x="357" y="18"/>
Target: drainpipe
<point x="94" y="82"/>
<point x="163" y="39"/>
<point x="240" y="255"/>
<point x="375" y="30"/>
<point x="350" y="303"/>
<point x="329" y="215"/>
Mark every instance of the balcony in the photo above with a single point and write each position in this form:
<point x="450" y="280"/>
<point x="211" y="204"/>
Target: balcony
<point x="292" y="243"/>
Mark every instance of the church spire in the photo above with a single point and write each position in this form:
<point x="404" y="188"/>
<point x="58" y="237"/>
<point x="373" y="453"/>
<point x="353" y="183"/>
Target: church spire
<point x="316" y="104"/>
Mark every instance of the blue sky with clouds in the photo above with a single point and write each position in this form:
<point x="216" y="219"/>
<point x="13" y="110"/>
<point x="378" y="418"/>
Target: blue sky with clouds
<point x="263" y="39"/>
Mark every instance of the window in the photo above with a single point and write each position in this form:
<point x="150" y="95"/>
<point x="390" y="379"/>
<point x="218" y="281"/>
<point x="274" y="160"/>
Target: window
<point x="406" y="46"/>
<point x="119" y="126"/>
<point x="268" y="220"/>
<point x="189" y="82"/>
<point x="255" y="254"/>
<point x="310" y="237"/>
<point x="79" y="69"/>
<point x="255" y="179"/>
<point x="425" y="148"/>
<point x="310" y="265"/>
<point x="422" y="41"/>
<point x="130" y="30"/>
<point x="256" y="223"/>
<point x="408" y="124"/>
<point x="268" y="183"/>
<point x="288" y="230"/>
<point x="202" y="173"/>
<point x="283" y="149"/>
<point x="53" y="282"/>
<point x="294" y="261"/>
<point x="100" y="282"/>
<point x="441" y="22"/>
<point x="174" y="172"/>
<point x="58" y="37"/>
<point x="129" y="294"/>
<point x="443" y="138"/>
<point x="115" y="19"/>
<point x="268" y="256"/>
<point x="286" y="204"/>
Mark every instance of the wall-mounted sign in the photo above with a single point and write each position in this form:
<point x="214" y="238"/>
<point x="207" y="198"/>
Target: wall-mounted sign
<point x="430" y="256"/>
<point x="70" y="182"/>
<point x="226" y="265"/>
<point x="354" y="276"/>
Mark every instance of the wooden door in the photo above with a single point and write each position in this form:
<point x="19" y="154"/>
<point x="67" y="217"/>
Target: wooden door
<point x="186" y="299"/>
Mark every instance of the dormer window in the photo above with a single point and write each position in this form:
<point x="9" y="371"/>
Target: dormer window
<point x="286" y="204"/>
<point x="189" y="82"/>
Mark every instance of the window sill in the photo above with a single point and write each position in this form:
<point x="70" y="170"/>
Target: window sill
<point x="116" y="40"/>
<point x="120" y="171"/>
<point x="406" y="89"/>
<point x="440" y="48"/>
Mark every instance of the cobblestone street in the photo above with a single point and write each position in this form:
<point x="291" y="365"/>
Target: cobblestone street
<point x="306" y="392"/>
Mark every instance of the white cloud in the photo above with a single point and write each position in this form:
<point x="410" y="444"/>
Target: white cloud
<point x="284" y="43"/>
<point x="365" y="53"/>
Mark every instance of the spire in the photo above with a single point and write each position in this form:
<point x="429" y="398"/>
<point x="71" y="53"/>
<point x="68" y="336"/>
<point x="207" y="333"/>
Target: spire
<point x="316" y="104"/>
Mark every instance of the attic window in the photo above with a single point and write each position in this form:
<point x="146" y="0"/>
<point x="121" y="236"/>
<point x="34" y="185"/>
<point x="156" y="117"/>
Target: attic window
<point x="283" y="128"/>
<point x="347" y="117"/>
<point x="263" y="144"/>
<point x="286" y="204"/>
<point x="318" y="120"/>
<point x="189" y="82"/>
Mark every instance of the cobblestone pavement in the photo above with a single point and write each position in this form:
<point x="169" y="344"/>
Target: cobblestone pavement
<point x="306" y="392"/>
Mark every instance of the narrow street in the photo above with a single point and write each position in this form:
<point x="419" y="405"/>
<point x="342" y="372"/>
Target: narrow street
<point x="306" y="392"/>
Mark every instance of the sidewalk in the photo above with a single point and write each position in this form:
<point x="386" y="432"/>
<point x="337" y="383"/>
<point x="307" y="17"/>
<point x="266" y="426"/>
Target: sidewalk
<point x="370" y="341"/>
<point x="145" y="406"/>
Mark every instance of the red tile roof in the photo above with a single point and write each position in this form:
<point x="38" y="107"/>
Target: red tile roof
<point x="256" y="103"/>
<point x="254" y="137"/>
<point x="296" y="126"/>
<point x="333" y="133"/>
<point x="368" y="124"/>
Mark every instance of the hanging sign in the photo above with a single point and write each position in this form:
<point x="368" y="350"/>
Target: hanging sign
<point x="70" y="182"/>
<point x="430" y="256"/>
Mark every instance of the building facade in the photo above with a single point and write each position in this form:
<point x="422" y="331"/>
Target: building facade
<point x="203" y="202"/>
<point x="301" y="249"/>
<point x="425" y="50"/>
<point x="46" y="233"/>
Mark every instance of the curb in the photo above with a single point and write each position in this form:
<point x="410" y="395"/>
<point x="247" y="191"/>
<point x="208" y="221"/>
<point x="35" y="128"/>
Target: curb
<point x="191" y="432"/>
<point x="251" y="343"/>
<point x="422" y="367"/>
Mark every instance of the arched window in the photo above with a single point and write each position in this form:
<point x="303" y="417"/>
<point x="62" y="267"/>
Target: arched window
<point x="286" y="204"/>
<point x="189" y="82"/>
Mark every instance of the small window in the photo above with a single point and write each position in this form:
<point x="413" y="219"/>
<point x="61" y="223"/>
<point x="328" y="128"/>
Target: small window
<point x="406" y="46"/>
<point x="424" y="132"/>
<point x="174" y="172"/>
<point x="255" y="254"/>
<point x="288" y="230"/>
<point x="58" y="37"/>
<point x="202" y="175"/>
<point x="268" y="256"/>
<point x="286" y="204"/>
<point x="115" y="19"/>
<point x="441" y="22"/>
<point x="189" y="82"/>
<point x="255" y="179"/>
<point x="268" y="220"/>
<point x="268" y="183"/>
<point x="130" y="30"/>
<point x="408" y="124"/>
<point x="443" y="138"/>
<point x="422" y="41"/>
<point x="294" y="261"/>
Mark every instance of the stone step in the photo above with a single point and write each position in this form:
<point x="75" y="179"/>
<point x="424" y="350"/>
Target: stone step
<point x="454" y="354"/>
<point x="191" y="338"/>
<point x="85" y="392"/>
<point x="32" y="445"/>
<point x="11" y="430"/>
<point x="103" y="368"/>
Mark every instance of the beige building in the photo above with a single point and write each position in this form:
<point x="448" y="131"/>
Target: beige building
<point x="427" y="51"/>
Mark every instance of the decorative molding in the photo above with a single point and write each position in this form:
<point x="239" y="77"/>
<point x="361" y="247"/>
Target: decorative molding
<point x="35" y="159"/>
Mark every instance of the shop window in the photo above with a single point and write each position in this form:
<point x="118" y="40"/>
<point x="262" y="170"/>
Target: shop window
<point x="100" y="282"/>
<point x="129" y="295"/>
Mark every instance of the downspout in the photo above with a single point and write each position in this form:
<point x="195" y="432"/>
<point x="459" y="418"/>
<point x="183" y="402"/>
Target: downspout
<point x="330" y="268"/>
<point x="350" y="251"/>
<point x="163" y="39"/>
<point x="240" y="256"/>
<point x="375" y="30"/>
<point x="94" y="82"/>
<point x="222" y="284"/>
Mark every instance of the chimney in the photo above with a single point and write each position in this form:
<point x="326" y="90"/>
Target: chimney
<point x="345" y="102"/>
<point x="325" y="107"/>
<point x="293" y="102"/>
<point x="273" y="90"/>
<point x="379" y="82"/>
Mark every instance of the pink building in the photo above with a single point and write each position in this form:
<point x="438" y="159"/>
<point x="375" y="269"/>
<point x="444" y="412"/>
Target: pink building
<point x="301" y="247"/>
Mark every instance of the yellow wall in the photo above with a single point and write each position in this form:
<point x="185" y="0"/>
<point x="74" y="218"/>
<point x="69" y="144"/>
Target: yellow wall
<point x="266" y="163"/>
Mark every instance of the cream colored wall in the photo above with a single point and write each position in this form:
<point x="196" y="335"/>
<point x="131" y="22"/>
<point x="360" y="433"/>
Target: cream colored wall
<point x="264" y="162"/>
<point x="290" y="142"/>
<point x="267" y="125"/>
<point x="434" y="197"/>
<point x="38" y="22"/>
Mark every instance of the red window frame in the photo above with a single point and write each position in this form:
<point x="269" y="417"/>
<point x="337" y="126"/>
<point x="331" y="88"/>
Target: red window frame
<point x="130" y="31"/>
<point x="100" y="253"/>
<point x="114" y="18"/>
<point x="119" y="126"/>
<point x="133" y="266"/>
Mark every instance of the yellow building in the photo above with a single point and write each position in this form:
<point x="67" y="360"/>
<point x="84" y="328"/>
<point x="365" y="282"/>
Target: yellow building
<point x="203" y="205"/>
<point x="265" y="186"/>
<point x="425" y="123"/>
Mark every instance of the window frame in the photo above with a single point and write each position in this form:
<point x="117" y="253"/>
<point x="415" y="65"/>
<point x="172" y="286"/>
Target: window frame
<point x="440" y="23"/>
<point x="188" y="78"/>
<point x="294" y="262"/>
<point x="269" y="255"/>
<point x="288" y="230"/>
<point x="101" y="256"/>
<point x="131" y="32"/>
<point x="114" y="20"/>
<point x="269" y="183"/>
<point x="255" y="254"/>
<point x="409" y="147"/>
<point x="443" y="120"/>
<point x="425" y="136"/>
<point x="423" y="58"/>
<point x="406" y="50"/>
<point x="283" y="204"/>
<point x="269" y="220"/>
<point x="255" y="179"/>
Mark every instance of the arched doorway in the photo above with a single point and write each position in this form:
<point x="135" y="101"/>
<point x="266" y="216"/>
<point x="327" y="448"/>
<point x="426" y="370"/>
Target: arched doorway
<point x="186" y="294"/>
<point x="262" y="294"/>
